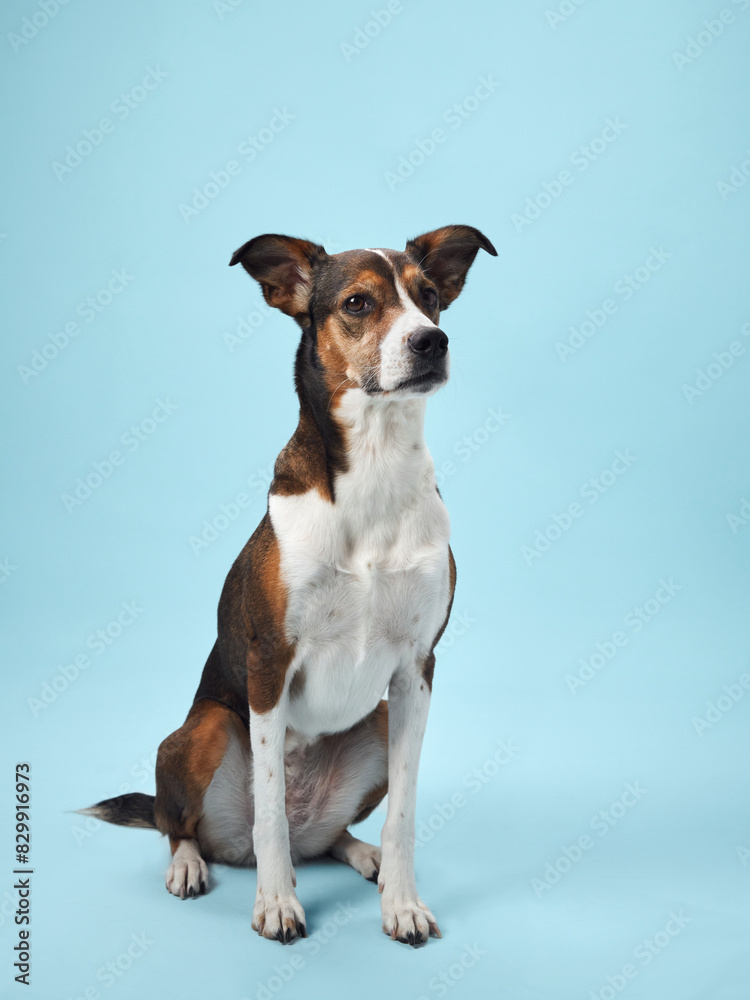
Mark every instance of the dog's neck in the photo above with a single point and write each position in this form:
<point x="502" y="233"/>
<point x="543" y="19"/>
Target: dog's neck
<point x="370" y="447"/>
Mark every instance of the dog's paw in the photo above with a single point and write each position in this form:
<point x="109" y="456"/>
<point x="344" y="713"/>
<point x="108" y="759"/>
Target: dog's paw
<point x="279" y="916"/>
<point x="187" y="876"/>
<point x="407" y="920"/>
<point x="364" y="858"/>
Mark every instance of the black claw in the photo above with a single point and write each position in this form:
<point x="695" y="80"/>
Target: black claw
<point x="288" y="934"/>
<point x="191" y="892"/>
<point x="410" y="937"/>
<point x="301" y="929"/>
<point x="280" y="935"/>
<point x="373" y="877"/>
<point x="204" y="887"/>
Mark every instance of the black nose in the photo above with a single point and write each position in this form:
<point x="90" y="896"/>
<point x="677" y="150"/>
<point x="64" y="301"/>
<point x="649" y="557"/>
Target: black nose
<point x="428" y="342"/>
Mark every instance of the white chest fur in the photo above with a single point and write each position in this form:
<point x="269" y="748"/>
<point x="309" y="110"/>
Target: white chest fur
<point x="367" y="577"/>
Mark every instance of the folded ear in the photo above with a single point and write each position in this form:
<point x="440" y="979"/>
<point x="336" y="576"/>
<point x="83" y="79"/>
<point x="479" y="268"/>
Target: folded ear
<point x="446" y="255"/>
<point x="283" y="266"/>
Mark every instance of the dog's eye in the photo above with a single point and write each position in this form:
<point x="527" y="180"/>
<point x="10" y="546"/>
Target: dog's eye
<point x="429" y="297"/>
<point x="355" y="304"/>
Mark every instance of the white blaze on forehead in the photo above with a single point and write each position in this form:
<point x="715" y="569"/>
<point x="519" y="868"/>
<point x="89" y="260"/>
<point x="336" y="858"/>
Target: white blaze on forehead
<point x="395" y="358"/>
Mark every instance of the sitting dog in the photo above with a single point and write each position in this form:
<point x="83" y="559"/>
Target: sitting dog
<point x="341" y="593"/>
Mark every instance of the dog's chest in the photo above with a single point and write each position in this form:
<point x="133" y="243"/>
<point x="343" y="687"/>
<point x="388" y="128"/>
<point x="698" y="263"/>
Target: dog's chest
<point x="367" y="591"/>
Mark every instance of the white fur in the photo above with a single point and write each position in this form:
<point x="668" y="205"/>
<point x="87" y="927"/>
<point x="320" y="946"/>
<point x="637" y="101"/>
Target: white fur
<point x="277" y="908"/>
<point x="403" y="911"/>
<point x="395" y="357"/>
<point x="188" y="873"/>
<point x="367" y="577"/>
<point x="367" y="581"/>
<point x="228" y="811"/>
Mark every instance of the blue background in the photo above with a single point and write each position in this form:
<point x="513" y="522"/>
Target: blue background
<point x="522" y="624"/>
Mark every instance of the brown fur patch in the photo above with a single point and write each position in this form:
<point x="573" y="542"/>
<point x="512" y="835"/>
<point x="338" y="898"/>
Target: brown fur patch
<point x="302" y="463"/>
<point x="297" y="685"/>
<point x="185" y="765"/>
<point x="249" y="663"/>
<point x="349" y="347"/>
<point x="371" y="801"/>
<point x="413" y="280"/>
<point x="268" y="653"/>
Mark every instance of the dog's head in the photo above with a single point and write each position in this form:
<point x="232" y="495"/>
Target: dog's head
<point x="371" y="316"/>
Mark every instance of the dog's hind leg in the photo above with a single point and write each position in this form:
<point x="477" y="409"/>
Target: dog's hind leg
<point x="362" y="857"/>
<point x="185" y="767"/>
<point x="187" y="876"/>
<point x="337" y="782"/>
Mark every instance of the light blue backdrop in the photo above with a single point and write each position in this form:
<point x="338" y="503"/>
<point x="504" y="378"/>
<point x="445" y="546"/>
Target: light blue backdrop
<point x="583" y="805"/>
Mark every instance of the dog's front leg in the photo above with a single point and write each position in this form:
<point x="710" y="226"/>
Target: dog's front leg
<point x="277" y="912"/>
<point x="405" y="916"/>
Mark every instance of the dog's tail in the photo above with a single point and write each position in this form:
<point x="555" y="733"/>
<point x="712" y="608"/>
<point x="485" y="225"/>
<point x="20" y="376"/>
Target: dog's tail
<point x="134" y="809"/>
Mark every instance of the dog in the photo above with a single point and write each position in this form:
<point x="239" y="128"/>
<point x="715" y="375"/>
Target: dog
<point x="342" y="593"/>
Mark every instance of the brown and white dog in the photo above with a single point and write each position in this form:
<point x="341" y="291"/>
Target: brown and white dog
<point x="341" y="593"/>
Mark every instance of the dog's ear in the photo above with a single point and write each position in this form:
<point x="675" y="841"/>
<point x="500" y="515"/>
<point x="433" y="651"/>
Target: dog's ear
<point x="446" y="255"/>
<point x="283" y="267"/>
